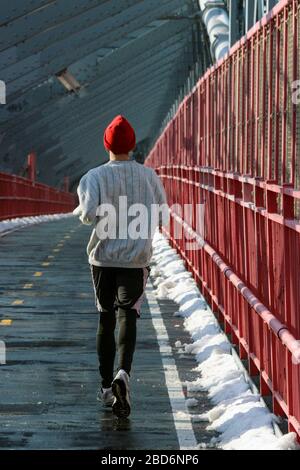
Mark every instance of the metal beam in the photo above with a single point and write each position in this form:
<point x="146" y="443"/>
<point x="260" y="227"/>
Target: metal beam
<point x="57" y="19"/>
<point x="215" y="19"/>
<point x="121" y="59"/>
<point x="132" y="76"/>
<point x="83" y="122"/>
<point x="249" y="14"/>
<point x="271" y="4"/>
<point x="234" y="33"/>
<point x="258" y="9"/>
<point x="64" y="53"/>
<point x="9" y="11"/>
<point x="133" y="67"/>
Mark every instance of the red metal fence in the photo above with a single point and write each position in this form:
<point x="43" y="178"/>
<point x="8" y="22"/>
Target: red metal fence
<point x="234" y="144"/>
<point x="20" y="197"/>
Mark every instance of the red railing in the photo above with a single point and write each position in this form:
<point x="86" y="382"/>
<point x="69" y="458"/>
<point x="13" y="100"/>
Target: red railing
<point x="234" y="145"/>
<point x="20" y="197"/>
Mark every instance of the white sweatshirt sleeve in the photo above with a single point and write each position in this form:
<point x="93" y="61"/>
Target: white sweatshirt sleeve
<point x="164" y="214"/>
<point x="89" y="198"/>
<point x="162" y="198"/>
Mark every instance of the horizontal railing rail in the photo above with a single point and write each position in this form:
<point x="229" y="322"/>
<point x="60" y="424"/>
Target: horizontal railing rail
<point x="22" y="197"/>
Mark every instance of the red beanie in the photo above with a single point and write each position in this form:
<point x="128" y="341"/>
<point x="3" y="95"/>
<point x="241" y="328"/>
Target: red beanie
<point x="119" y="136"/>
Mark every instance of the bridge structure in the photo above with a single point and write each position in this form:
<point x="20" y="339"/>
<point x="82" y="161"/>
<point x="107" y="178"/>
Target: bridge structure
<point x="212" y="89"/>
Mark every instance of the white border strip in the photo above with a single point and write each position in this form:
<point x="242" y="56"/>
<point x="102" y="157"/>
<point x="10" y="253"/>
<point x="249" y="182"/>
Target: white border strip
<point x="182" y="419"/>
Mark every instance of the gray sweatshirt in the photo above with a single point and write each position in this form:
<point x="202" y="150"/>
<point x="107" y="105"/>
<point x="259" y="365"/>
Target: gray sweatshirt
<point x="102" y="186"/>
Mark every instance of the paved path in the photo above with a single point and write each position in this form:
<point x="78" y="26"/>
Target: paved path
<point x="48" y="384"/>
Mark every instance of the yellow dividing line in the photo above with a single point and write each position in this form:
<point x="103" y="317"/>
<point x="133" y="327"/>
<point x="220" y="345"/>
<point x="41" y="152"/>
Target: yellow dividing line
<point x="6" y="322"/>
<point x="17" y="302"/>
<point x="38" y="274"/>
<point x="27" y="286"/>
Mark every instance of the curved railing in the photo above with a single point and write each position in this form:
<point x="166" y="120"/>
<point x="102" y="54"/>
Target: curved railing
<point x="20" y="197"/>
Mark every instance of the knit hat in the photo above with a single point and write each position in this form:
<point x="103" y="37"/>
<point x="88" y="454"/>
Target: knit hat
<point x="119" y="136"/>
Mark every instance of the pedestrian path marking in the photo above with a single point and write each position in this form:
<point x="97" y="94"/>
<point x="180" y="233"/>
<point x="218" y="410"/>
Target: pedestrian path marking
<point x="6" y="322"/>
<point x="38" y="274"/>
<point x="182" y="419"/>
<point x="17" y="302"/>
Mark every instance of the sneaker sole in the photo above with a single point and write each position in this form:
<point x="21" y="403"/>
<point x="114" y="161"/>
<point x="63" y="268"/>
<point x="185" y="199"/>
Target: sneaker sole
<point x="105" y="405"/>
<point x="120" y="407"/>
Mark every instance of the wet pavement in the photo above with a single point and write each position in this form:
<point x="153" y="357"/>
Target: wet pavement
<point x="48" y="321"/>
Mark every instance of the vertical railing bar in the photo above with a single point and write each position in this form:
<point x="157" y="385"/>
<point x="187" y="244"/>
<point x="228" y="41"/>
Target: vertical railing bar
<point x="263" y="123"/>
<point x="285" y="92"/>
<point x="257" y="117"/>
<point x="294" y="105"/>
<point x="270" y="105"/>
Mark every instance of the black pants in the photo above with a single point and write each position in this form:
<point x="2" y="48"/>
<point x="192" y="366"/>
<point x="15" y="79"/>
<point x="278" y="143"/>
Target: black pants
<point x="118" y="290"/>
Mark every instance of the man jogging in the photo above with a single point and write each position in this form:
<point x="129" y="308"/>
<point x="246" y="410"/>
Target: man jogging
<point x="111" y="194"/>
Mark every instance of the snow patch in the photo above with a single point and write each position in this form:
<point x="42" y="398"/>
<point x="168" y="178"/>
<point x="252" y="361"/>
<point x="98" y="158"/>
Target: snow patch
<point x="20" y="222"/>
<point x="239" y="416"/>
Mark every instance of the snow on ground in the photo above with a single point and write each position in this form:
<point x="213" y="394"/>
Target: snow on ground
<point x="238" y="415"/>
<point x="20" y="222"/>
